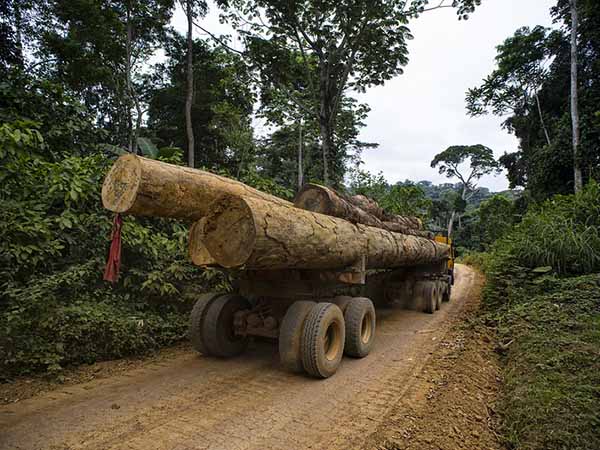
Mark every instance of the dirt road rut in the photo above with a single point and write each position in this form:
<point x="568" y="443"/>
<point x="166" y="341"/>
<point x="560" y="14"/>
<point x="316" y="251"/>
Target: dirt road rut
<point x="243" y="403"/>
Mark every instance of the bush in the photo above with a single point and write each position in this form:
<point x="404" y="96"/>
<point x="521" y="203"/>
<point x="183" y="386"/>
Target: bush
<point x="545" y="305"/>
<point x="54" y="237"/>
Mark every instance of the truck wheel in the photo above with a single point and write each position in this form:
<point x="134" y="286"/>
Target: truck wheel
<point x="447" y="292"/>
<point x="323" y="340"/>
<point x="360" y="327"/>
<point x="425" y="292"/>
<point x="290" y="335"/>
<point x="342" y="301"/>
<point x="218" y="331"/>
<point x="197" y="321"/>
<point x="438" y="295"/>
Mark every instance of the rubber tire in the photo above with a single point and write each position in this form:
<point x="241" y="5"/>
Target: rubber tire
<point x="425" y="290"/>
<point x="354" y="315"/>
<point x="438" y="295"/>
<point x="316" y="325"/>
<point x="290" y="335"/>
<point x="447" y="293"/>
<point x="342" y="301"/>
<point x="196" y="325"/>
<point x="218" y="326"/>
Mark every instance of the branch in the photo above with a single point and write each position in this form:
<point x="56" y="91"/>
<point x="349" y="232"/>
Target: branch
<point x="218" y="39"/>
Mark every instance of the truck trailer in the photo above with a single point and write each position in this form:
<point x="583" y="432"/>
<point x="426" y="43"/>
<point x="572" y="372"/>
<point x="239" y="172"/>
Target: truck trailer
<point x="307" y="273"/>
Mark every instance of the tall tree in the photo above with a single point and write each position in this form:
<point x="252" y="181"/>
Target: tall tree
<point x="522" y="62"/>
<point x="341" y="44"/>
<point x="189" y="93"/>
<point x="481" y="162"/>
<point x="577" y="176"/>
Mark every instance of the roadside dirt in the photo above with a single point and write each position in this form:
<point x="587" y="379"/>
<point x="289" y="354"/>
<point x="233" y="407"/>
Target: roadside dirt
<point x="429" y="383"/>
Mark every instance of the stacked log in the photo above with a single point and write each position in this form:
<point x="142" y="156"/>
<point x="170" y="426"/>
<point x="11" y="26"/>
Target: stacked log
<point x="146" y="187"/>
<point x="251" y="233"/>
<point x="356" y="209"/>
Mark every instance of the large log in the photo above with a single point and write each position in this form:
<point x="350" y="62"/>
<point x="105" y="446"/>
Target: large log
<point x="321" y="199"/>
<point x="146" y="187"/>
<point x="256" y="234"/>
<point x="369" y="205"/>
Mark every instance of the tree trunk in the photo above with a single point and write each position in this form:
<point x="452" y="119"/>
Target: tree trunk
<point x="189" y="95"/>
<point x="539" y="107"/>
<point x="132" y="145"/>
<point x="325" y="123"/>
<point x="300" y="163"/>
<point x="146" y="187"/>
<point x="451" y="223"/>
<point x="324" y="200"/>
<point x="258" y="234"/>
<point x="578" y="178"/>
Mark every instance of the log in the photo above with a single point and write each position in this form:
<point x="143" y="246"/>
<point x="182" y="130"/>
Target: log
<point x="324" y="200"/>
<point x="198" y="251"/>
<point x="369" y="205"/>
<point x="253" y="233"/>
<point x="147" y="187"/>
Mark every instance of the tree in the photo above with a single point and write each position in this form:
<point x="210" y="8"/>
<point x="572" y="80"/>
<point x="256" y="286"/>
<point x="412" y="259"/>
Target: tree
<point x="521" y="71"/>
<point x="578" y="179"/>
<point x="341" y="44"/>
<point x="481" y="162"/>
<point x="189" y="94"/>
<point x="222" y="105"/>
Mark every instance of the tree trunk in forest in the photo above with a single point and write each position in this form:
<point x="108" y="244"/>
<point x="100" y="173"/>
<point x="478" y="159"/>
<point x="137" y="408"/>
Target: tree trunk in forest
<point x="189" y="95"/>
<point x="258" y="234"/>
<point x="577" y="176"/>
<point x="132" y="144"/>
<point x="321" y="199"/>
<point x="300" y="163"/>
<point x="147" y="187"/>
<point x="543" y="123"/>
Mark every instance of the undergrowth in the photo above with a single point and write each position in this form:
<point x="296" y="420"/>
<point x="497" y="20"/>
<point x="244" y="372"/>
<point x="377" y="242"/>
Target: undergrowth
<point x="543" y="298"/>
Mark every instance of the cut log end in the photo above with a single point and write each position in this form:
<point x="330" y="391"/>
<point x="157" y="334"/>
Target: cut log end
<point x="120" y="187"/>
<point x="230" y="231"/>
<point x="313" y="198"/>
<point x="198" y="252"/>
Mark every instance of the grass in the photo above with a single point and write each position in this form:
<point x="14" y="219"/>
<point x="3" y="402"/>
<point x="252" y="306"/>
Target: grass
<point x="550" y="328"/>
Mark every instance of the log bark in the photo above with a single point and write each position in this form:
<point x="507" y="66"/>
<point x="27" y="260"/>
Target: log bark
<point x="324" y="200"/>
<point x="372" y="207"/>
<point x="256" y="234"/>
<point x="146" y="187"/>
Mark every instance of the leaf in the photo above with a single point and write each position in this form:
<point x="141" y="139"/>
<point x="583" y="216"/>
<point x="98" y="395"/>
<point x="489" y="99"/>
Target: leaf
<point x="147" y="148"/>
<point x="543" y="269"/>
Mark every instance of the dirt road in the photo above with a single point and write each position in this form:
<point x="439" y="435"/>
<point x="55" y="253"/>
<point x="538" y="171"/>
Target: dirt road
<point x="244" y="403"/>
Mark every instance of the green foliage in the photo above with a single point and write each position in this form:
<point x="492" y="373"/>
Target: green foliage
<point x="543" y="299"/>
<point x="563" y="233"/>
<point x="408" y="200"/>
<point x="54" y="237"/>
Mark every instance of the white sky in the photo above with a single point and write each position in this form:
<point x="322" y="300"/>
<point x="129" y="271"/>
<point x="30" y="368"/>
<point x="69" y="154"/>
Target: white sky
<point x="422" y="112"/>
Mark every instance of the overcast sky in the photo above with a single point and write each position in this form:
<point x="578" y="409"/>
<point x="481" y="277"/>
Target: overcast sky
<point x="422" y="112"/>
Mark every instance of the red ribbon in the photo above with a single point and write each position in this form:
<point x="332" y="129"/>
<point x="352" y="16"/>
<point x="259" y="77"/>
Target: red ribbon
<point x="111" y="271"/>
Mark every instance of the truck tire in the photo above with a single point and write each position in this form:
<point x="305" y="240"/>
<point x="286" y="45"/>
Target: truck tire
<point x="323" y="340"/>
<point x="290" y="335"/>
<point x="425" y="293"/>
<point x="197" y="317"/>
<point x="360" y="327"/>
<point x="447" y="292"/>
<point x="438" y="295"/>
<point x="342" y="301"/>
<point x="218" y="331"/>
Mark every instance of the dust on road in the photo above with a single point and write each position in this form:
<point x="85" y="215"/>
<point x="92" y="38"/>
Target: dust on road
<point x="248" y="402"/>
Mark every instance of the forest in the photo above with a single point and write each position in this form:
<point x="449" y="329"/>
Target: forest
<point x="80" y="85"/>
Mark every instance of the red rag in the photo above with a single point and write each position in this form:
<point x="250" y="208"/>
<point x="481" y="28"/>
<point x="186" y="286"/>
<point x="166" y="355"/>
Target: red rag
<point x="111" y="272"/>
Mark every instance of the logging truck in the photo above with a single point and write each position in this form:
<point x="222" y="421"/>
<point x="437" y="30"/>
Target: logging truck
<point x="307" y="273"/>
